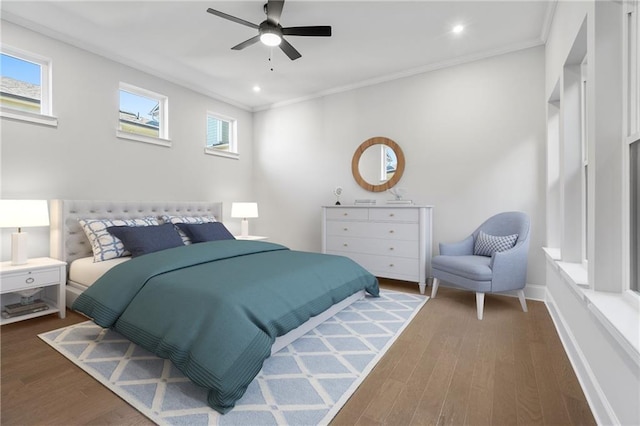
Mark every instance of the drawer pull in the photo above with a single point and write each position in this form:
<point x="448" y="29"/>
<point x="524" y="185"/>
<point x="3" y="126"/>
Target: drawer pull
<point x="29" y="280"/>
<point x="392" y="231"/>
<point x="345" y="245"/>
<point x="345" y="214"/>
<point x="345" y="229"/>
<point x="391" y="248"/>
<point x="391" y="214"/>
<point x="391" y="265"/>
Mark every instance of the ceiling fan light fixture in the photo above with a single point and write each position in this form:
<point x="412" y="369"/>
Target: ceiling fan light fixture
<point x="270" y="39"/>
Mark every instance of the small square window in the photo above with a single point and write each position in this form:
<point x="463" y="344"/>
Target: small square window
<point x="221" y="136"/>
<point x="142" y="114"/>
<point x="25" y="89"/>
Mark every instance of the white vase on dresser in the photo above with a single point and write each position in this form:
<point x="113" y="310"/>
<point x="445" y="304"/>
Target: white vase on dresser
<point x="390" y="241"/>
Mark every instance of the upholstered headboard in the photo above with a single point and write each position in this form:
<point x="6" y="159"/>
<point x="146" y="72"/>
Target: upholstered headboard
<point x="68" y="240"/>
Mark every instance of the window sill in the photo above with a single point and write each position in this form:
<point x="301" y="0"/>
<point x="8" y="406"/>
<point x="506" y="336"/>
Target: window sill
<point x="619" y="313"/>
<point x="141" y="138"/>
<point x="29" y="117"/>
<point x="227" y="154"/>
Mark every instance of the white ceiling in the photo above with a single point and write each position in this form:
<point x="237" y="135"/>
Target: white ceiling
<point x="372" y="41"/>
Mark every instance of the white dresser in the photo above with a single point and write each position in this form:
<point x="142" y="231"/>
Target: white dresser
<point x="389" y="241"/>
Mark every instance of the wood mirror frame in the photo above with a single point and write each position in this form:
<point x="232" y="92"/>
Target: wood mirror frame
<point x="355" y="163"/>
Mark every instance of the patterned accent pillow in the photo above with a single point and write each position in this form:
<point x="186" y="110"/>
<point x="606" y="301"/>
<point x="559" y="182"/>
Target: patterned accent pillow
<point x="104" y="245"/>
<point x="186" y="219"/>
<point x="486" y="244"/>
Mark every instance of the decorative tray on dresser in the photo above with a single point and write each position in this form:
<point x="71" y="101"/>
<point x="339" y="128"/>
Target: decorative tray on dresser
<point x="390" y="241"/>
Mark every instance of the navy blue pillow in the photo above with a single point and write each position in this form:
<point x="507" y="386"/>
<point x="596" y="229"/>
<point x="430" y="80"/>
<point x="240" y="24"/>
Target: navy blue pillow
<point x="202" y="232"/>
<point x="140" y="240"/>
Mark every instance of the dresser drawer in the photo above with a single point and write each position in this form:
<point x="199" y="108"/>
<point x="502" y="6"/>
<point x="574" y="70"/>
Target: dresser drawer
<point x="376" y="230"/>
<point x="21" y="280"/>
<point x="383" y="247"/>
<point x="394" y="215"/>
<point x="347" y="213"/>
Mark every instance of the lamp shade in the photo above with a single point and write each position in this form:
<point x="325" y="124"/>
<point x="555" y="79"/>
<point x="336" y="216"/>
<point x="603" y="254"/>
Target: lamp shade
<point x="23" y="213"/>
<point x="244" y="210"/>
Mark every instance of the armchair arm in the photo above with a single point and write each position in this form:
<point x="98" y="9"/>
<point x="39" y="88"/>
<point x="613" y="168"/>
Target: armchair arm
<point x="460" y="248"/>
<point x="510" y="268"/>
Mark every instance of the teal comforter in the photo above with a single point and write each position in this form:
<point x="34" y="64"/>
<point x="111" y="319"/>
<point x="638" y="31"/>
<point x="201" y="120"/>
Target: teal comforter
<point x="214" y="309"/>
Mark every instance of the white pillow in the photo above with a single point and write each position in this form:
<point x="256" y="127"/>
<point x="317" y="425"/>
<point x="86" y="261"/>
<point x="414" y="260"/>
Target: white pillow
<point x="104" y="245"/>
<point x="186" y="219"/>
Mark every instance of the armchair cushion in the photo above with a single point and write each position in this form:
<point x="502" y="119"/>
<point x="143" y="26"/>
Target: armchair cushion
<point x="486" y="244"/>
<point x="476" y="268"/>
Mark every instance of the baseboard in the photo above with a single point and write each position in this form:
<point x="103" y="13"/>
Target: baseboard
<point x="531" y="292"/>
<point x="602" y="411"/>
<point x="535" y="292"/>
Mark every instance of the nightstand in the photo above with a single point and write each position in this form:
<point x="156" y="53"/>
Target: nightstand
<point x="250" y="237"/>
<point x="50" y="274"/>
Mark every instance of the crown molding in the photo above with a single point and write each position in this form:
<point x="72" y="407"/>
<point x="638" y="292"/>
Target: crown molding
<point x="408" y="73"/>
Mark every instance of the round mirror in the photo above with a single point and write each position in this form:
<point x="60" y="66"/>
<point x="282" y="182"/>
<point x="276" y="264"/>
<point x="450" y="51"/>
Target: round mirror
<point x="377" y="164"/>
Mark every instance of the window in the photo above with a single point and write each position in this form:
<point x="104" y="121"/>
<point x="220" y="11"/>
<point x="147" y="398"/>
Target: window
<point x="632" y="139"/>
<point x="390" y="162"/>
<point x="634" y="282"/>
<point x="585" y="157"/>
<point x="221" y="136"/>
<point x="25" y="93"/>
<point x="142" y="115"/>
<point x="632" y="56"/>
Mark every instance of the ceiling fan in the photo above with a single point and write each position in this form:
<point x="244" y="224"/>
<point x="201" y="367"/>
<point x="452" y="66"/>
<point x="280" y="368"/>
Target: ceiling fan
<point x="271" y="33"/>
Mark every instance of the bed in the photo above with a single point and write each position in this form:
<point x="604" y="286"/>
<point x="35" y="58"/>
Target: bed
<point x="217" y="309"/>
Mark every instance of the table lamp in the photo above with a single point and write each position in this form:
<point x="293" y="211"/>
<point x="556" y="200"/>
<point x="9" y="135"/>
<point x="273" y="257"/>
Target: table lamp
<point x="244" y="210"/>
<point x="21" y="214"/>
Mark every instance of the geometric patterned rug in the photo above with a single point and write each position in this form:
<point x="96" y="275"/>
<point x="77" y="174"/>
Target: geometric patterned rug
<point x="305" y="383"/>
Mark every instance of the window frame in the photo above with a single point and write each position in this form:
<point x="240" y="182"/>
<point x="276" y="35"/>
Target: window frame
<point x="584" y="140"/>
<point x="45" y="116"/>
<point x="631" y="132"/>
<point x="163" y="116"/>
<point x="232" y="152"/>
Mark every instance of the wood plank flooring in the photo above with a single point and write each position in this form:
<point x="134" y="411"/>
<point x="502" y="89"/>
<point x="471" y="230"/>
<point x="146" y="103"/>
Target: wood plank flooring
<point x="447" y="368"/>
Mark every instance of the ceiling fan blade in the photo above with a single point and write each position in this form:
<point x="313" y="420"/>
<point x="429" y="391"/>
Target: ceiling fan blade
<point x="232" y="18"/>
<point x="316" y="31"/>
<point x="247" y="43"/>
<point x="274" y="10"/>
<point x="289" y="50"/>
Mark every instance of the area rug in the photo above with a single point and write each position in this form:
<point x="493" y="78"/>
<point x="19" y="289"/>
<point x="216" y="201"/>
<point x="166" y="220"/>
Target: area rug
<point x="305" y="383"/>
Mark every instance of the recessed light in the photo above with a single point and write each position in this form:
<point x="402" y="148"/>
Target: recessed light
<point x="458" y="29"/>
<point x="256" y="88"/>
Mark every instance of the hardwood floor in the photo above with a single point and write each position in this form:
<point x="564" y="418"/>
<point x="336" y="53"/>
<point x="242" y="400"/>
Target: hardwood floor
<point x="446" y="368"/>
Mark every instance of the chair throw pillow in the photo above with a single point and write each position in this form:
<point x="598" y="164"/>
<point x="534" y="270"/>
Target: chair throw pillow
<point x="486" y="244"/>
<point x="141" y="240"/>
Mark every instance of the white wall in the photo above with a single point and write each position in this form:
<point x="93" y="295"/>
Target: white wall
<point x="83" y="159"/>
<point x="473" y="136"/>
<point x="600" y="348"/>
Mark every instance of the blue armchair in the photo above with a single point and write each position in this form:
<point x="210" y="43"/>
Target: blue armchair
<point x="491" y="260"/>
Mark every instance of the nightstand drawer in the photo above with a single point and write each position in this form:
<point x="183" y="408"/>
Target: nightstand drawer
<point x="20" y="280"/>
